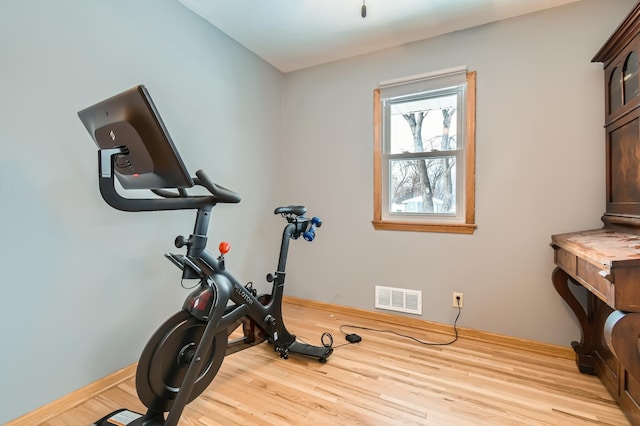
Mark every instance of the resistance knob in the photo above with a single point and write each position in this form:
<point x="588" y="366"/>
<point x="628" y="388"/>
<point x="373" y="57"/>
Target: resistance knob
<point x="181" y="241"/>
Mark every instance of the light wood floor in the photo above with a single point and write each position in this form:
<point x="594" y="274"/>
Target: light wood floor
<point x="383" y="380"/>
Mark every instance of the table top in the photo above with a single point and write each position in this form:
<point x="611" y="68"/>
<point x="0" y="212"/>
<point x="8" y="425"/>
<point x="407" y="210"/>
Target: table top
<point x="602" y="246"/>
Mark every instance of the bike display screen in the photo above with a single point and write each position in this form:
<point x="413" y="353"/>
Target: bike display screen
<point x="130" y="119"/>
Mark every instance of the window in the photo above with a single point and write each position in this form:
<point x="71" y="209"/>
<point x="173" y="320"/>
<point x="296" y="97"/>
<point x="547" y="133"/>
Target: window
<point x="424" y="153"/>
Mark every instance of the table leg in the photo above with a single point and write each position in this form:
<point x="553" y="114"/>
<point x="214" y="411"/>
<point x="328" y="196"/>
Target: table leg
<point x="583" y="349"/>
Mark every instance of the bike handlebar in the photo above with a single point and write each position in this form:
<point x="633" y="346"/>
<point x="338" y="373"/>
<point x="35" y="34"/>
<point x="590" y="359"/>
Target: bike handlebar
<point x="220" y="193"/>
<point x="170" y="200"/>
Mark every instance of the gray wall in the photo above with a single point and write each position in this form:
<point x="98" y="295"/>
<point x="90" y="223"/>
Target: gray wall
<point x="539" y="165"/>
<point x="82" y="285"/>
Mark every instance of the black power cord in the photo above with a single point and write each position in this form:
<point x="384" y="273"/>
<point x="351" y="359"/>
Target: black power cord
<point x="354" y="336"/>
<point x="327" y="341"/>
<point x="351" y="338"/>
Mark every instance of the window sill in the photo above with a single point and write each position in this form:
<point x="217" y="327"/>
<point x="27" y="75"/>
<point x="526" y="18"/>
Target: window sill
<point x="450" y="228"/>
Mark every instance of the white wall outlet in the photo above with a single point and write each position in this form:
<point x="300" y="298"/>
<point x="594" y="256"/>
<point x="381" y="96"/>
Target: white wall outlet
<point x="458" y="300"/>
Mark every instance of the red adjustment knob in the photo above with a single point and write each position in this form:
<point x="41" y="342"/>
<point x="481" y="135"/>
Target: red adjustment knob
<point x="224" y="247"/>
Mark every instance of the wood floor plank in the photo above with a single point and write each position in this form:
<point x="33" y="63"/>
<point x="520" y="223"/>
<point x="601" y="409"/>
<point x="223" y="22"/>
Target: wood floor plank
<point x="383" y="380"/>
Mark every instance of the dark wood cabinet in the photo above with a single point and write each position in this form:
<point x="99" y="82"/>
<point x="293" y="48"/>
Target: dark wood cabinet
<point x="606" y="262"/>
<point x="619" y="57"/>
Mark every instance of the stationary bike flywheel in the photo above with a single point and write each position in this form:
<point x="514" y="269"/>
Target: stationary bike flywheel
<point x="166" y="357"/>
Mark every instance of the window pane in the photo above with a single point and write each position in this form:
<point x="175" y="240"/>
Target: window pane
<point x="615" y="91"/>
<point x="630" y="79"/>
<point x="423" y="185"/>
<point x="423" y="125"/>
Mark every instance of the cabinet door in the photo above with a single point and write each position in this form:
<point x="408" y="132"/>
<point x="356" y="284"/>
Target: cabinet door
<point x="623" y="173"/>
<point x="624" y="151"/>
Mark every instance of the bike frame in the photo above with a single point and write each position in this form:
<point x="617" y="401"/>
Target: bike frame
<point x="217" y="285"/>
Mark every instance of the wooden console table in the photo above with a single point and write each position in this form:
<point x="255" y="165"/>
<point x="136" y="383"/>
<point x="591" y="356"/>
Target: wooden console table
<point x="607" y="264"/>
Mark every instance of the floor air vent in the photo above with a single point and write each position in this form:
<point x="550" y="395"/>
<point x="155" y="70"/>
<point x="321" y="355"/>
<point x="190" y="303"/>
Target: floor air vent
<point x="399" y="299"/>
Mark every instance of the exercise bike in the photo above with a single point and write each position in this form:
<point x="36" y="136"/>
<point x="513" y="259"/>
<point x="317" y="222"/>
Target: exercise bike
<point x="183" y="356"/>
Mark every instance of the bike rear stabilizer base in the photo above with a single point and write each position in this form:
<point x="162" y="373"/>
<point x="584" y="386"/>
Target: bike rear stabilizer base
<point x="124" y="417"/>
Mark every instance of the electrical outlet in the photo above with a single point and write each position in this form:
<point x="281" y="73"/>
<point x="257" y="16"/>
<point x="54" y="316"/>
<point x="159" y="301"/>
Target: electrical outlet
<point x="458" y="300"/>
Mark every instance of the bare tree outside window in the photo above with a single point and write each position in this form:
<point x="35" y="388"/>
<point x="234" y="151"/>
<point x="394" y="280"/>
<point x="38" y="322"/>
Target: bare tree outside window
<point x="426" y="179"/>
<point x="423" y="127"/>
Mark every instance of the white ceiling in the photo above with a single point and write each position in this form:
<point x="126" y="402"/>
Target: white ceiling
<point x="296" y="34"/>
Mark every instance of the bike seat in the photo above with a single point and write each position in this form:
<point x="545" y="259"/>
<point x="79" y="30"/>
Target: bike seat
<point x="297" y="210"/>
